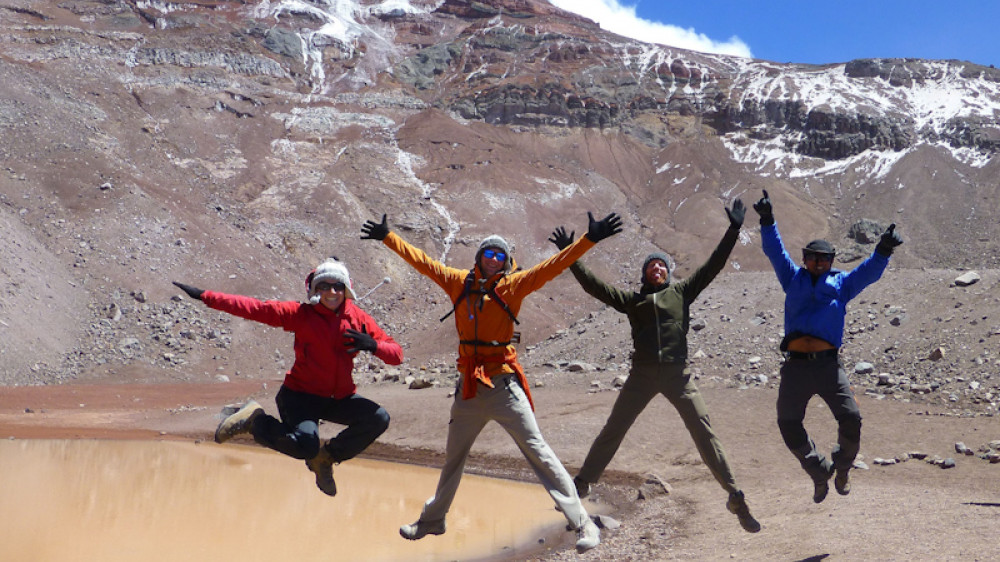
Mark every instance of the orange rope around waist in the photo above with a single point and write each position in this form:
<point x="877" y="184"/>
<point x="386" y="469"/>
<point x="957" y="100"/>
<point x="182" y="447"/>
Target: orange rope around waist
<point x="473" y="369"/>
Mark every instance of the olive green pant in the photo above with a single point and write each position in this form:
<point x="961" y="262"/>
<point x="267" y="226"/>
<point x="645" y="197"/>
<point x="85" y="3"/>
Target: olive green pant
<point x="672" y="380"/>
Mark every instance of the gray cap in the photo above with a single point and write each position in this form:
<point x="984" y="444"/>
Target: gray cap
<point x="496" y="242"/>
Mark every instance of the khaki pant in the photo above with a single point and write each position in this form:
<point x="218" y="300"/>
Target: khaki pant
<point x="507" y="405"/>
<point x="645" y="381"/>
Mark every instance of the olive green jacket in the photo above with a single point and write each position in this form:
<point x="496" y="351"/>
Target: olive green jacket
<point x="659" y="317"/>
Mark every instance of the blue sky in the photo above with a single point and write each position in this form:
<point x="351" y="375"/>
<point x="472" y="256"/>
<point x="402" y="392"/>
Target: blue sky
<point x="808" y="31"/>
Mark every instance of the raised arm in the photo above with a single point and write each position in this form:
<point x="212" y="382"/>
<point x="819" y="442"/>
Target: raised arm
<point x="699" y="280"/>
<point x="591" y="283"/>
<point x="771" y="242"/>
<point x="446" y="277"/>
<point x="525" y="282"/>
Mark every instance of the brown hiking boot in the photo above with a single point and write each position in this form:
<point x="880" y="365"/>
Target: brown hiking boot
<point x="421" y="529"/>
<point x="737" y="505"/>
<point x="238" y="423"/>
<point x="322" y="465"/>
<point x="842" y="482"/>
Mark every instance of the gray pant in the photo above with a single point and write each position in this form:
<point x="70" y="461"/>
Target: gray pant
<point x="507" y="405"/>
<point x="800" y="381"/>
<point x="672" y="380"/>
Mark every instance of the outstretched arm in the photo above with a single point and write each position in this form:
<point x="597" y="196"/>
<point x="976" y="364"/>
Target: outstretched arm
<point x="871" y="270"/>
<point x="525" y="282"/>
<point x="279" y="314"/>
<point x="448" y="278"/>
<point x="590" y="282"/>
<point x="699" y="280"/>
<point x="771" y="242"/>
<point x="193" y="292"/>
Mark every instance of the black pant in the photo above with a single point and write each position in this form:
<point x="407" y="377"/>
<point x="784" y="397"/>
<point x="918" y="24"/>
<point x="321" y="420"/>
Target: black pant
<point x="800" y="381"/>
<point x="297" y="433"/>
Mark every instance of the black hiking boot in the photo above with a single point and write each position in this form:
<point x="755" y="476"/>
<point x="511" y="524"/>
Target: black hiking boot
<point x="737" y="505"/>
<point x="322" y="466"/>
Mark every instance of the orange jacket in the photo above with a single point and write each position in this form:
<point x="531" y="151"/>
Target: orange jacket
<point x="489" y="323"/>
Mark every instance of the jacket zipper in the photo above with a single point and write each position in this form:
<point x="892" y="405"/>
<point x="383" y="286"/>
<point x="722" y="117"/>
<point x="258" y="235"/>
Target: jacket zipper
<point x="659" y="340"/>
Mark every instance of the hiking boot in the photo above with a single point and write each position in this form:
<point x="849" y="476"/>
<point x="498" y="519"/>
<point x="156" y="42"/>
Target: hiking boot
<point x="582" y="487"/>
<point x="821" y="488"/>
<point x="421" y="529"/>
<point x="842" y="482"/>
<point x="589" y="536"/>
<point x="737" y="505"/>
<point x="238" y="423"/>
<point x="822" y="483"/>
<point x="322" y="465"/>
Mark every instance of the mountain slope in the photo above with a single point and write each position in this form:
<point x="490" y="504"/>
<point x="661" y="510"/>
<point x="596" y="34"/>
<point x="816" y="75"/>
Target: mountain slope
<point x="232" y="146"/>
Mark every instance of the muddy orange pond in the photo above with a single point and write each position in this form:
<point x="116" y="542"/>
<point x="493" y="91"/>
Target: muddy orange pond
<point x="112" y="500"/>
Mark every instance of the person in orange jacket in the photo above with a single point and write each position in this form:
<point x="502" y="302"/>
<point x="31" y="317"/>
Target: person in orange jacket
<point x="330" y="330"/>
<point x="492" y="385"/>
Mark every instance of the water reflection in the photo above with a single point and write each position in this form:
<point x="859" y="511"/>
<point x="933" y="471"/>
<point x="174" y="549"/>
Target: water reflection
<point x="167" y="501"/>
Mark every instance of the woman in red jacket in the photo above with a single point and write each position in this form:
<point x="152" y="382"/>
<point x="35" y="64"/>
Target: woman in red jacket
<point x="329" y="331"/>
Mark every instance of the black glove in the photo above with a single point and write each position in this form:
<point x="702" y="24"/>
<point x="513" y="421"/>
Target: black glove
<point x="604" y="228"/>
<point x="359" y="341"/>
<point x="736" y="213"/>
<point x="763" y="208"/>
<point x="560" y="238"/>
<point x="193" y="292"/>
<point x="372" y="230"/>
<point x="890" y="239"/>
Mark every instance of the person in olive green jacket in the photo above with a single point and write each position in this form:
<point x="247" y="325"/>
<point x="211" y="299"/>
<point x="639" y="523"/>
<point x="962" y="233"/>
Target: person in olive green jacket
<point x="659" y="316"/>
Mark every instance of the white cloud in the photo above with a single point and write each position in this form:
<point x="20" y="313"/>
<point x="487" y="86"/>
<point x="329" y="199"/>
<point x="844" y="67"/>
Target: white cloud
<point x="622" y="20"/>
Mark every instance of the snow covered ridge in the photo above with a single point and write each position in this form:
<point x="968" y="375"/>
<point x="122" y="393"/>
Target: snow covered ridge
<point x="879" y="108"/>
<point x="530" y="70"/>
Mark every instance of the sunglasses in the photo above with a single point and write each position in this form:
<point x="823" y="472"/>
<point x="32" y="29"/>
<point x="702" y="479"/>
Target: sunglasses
<point x="337" y="287"/>
<point x="818" y="257"/>
<point x="494" y="254"/>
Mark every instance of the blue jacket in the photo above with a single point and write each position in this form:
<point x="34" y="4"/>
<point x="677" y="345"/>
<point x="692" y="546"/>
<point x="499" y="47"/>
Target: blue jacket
<point x="818" y="309"/>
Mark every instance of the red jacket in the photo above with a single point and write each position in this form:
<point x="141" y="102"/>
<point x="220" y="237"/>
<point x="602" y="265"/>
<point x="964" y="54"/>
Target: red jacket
<point x="322" y="364"/>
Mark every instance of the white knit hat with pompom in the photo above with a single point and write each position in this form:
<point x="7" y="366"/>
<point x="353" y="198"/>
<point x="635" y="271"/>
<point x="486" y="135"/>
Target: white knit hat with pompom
<point x="330" y="271"/>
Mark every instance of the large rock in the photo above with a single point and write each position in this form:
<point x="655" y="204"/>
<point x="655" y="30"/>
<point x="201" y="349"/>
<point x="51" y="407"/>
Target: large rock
<point x="967" y="278"/>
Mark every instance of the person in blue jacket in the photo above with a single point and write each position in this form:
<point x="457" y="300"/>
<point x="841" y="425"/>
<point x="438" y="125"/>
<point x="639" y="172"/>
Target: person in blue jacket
<point x="816" y="297"/>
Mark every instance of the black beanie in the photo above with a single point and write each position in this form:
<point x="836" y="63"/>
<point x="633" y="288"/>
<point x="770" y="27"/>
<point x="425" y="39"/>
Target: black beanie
<point x="819" y="247"/>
